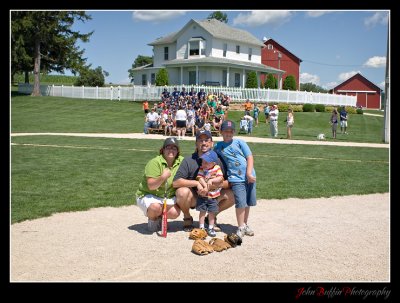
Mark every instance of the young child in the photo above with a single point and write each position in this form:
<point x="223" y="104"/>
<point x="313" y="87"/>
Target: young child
<point x="209" y="173"/>
<point x="289" y="123"/>
<point x="241" y="174"/>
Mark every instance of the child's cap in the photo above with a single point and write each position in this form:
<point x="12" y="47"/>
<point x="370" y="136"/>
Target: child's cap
<point x="227" y="124"/>
<point x="210" y="156"/>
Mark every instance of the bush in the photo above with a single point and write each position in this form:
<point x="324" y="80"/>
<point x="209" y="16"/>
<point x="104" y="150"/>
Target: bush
<point x="329" y="109"/>
<point x="283" y="107"/>
<point x="297" y="108"/>
<point x="308" y="107"/>
<point x="320" y="108"/>
<point x="351" y="110"/>
<point x="359" y="111"/>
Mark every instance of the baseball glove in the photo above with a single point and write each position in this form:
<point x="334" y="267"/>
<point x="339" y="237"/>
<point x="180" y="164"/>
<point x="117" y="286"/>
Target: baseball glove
<point x="219" y="244"/>
<point x="198" y="233"/>
<point x="201" y="247"/>
<point x="233" y="239"/>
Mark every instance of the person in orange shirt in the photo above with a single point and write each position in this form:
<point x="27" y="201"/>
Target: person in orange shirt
<point x="247" y="107"/>
<point x="145" y="107"/>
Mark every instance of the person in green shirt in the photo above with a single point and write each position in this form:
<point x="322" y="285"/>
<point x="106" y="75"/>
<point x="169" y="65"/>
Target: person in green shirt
<point x="157" y="182"/>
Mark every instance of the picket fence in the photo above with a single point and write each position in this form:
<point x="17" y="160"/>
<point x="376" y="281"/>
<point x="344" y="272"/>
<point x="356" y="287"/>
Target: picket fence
<point x="153" y="93"/>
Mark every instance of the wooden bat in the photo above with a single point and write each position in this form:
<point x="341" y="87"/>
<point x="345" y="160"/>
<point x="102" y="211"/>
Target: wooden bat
<point x="164" y="214"/>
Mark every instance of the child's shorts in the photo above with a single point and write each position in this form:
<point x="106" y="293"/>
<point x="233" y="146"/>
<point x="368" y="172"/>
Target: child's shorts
<point x="245" y="194"/>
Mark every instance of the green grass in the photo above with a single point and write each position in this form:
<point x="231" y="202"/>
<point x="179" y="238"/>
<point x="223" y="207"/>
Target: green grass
<point x="56" y="114"/>
<point x="74" y="173"/>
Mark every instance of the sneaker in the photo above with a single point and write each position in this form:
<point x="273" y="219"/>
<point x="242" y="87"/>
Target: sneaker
<point x="154" y="225"/>
<point x="240" y="232"/>
<point x="248" y="231"/>
<point x="217" y="228"/>
<point x="211" y="232"/>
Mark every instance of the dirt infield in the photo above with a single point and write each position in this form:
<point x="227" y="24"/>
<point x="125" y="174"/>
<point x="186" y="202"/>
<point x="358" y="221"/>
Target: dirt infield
<point x="326" y="239"/>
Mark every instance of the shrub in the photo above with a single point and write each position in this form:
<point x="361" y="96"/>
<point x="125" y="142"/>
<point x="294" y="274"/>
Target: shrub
<point x="329" y="109"/>
<point x="283" y="107"/>
<point x="319" y="108"/>
<point x="359" y="111"/>
<point x="351" y="110"/>
<point x="308" y="107"/>
<point x="297" y="108"/>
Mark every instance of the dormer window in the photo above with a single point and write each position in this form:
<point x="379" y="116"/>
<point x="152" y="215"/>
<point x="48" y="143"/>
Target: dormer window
<point x="270" y="46"/>
<point x="197" y="46"/>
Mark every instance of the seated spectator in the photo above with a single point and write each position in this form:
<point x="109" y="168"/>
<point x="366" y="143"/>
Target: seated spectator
<point x="151" y="120"/>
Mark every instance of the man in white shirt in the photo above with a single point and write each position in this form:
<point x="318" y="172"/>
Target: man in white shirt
<point x="273" y="118"/>
<point x="152" y="119"/>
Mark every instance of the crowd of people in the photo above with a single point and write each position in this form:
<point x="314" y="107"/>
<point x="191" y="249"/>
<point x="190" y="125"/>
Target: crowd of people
<point x="181" y="111"/>
<point x="213" y="178"/>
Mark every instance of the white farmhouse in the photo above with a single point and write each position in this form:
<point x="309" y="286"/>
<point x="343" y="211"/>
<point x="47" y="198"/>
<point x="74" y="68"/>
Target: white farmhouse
<point x="207" y="52"/>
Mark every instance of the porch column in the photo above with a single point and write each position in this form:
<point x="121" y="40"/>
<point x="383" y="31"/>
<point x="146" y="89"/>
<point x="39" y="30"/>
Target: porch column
<point x="227" y="77"/>
<point x="181" y="75"/>
<point x="243" y="78"/>
<point x="197" y="75"/>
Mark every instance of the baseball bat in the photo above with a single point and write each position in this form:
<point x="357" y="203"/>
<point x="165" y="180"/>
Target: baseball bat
<point x="164" y="214"/>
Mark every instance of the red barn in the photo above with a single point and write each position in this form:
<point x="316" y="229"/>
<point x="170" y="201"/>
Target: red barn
<point x="275" y="55"/>
<point x="368" y="94"/>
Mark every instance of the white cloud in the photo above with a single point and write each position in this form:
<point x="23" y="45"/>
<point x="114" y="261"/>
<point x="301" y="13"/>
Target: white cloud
<point x="316" y="14"/>
<point x="347" y="75"/>
<point x="377" y="18"/>
<point x="382" y="85"/>
<point x="308" y="78"/>
<point x="257" y="18"/>
<point x="376" y="62"/>
<point x="156" y="16"/>
<point x="330" y="85"/>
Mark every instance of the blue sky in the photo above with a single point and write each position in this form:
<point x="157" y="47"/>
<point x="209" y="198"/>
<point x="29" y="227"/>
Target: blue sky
<point x="334" y="45"/>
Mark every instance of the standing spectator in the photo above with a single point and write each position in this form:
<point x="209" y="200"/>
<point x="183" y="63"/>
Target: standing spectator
<point x="165" y="96"/>
<point x="209" y="174"/>
<point x="146" y="107"/>
<point x="241" y="174"/>
<point x="273" y="118"/>
<point x="289" y="123"/>
<point x="157" y="182"/>
<point x="266" y="113"/>
<point x="343" y="120"/>
<point x="256" y="111"/>
<point x="180" y="119"/>
<point x="247" y="107"/>
<point x="334" y="122"/>
<point x="175" y="95"/>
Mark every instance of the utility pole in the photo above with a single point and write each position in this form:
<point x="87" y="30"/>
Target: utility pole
<point x="279" y="67"/>
<point x="386" y="128"/>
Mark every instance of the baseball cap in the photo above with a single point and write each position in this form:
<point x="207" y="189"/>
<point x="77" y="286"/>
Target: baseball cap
<point x="171" y="141"/>
<point x="227" y="124"/>
<point x="210" y="156"/>
<point x="203" y="132"/>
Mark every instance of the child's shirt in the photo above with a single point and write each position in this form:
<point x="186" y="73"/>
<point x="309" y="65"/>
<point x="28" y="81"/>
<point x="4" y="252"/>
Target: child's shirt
<point x="235" y="155"/>
<point x="208" y="174"/>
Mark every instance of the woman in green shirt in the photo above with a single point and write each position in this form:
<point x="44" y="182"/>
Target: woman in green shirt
<point x="157" y="182"/>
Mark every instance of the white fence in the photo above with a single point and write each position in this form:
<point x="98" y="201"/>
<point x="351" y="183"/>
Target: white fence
<point x="153" y="93"/>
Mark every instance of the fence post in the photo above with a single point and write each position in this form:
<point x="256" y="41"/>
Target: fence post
<point x="111" y="93"/>
<point x="97" y="92"/>
<point x="83" y="91"/>
<point x="119" y="93"/>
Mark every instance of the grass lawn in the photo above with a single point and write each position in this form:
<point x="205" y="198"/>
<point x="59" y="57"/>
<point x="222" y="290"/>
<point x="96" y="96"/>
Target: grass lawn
<point x="52" y="174"/>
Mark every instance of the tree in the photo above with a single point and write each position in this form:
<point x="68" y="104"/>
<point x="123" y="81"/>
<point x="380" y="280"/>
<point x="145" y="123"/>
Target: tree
<point x="289" y="83"/>
<point x="162" y="77"/>
<point x="44" y="41"/>
<point x="139" y="61"/>
<point x="92" y="77"/>
<point x="311" y="87"/>
<point x="251" y="81"/>
<point x="271" y="82"/>
<point x="219" y="16"/>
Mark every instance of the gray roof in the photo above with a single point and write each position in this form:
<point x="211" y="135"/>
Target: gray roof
<point x="217" y="29"/>
<point x="223" y="62"/>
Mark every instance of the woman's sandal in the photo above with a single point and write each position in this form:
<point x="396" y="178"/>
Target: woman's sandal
<point x="188" y="224"/>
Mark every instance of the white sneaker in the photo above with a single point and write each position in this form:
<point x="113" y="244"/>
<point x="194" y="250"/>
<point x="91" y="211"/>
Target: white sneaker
<point x="248" y="231"/>
<point x="154" y="225"/>
<point x="240" y="232"/>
